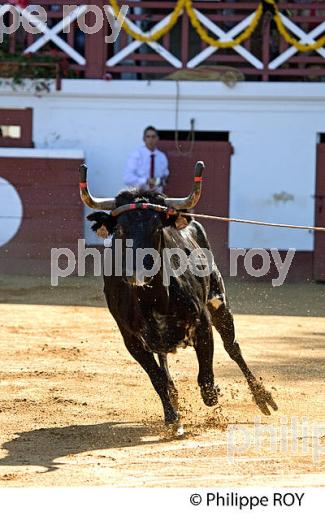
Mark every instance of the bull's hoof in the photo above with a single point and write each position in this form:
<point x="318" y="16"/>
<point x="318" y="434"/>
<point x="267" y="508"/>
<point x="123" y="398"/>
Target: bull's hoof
<point x="175" y="429"/>
<point x="210" y="394"/>
<point x="263" y="398"/>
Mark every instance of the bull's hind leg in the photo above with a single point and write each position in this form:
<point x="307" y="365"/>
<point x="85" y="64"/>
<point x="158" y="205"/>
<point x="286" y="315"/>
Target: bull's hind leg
<point x="223" y="321"/>
<point x="204" y="352"/>
<point x="157" y="376"/>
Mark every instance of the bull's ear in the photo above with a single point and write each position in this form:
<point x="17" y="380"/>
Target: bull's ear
<point x="104" y="223"/>
<point x="179" y="221"/>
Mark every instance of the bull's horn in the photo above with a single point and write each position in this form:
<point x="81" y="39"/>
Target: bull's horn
<point x="193" y="198"/>
<point x="87" y="199"/>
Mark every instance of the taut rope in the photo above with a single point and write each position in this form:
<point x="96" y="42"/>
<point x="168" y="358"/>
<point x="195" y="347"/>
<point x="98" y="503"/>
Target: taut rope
<point x="254" y="222"/>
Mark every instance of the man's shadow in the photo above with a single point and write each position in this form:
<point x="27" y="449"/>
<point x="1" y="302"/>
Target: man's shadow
<point x="42" y="447"/>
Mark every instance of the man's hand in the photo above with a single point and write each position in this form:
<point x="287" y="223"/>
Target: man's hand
<point x="152" y="183"/>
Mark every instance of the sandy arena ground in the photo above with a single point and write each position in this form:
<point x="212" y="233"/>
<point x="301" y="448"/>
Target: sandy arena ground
<point x="76" y="410"/>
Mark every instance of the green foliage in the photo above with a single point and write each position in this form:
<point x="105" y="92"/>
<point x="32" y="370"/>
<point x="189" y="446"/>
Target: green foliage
<point x="38" y="69"/>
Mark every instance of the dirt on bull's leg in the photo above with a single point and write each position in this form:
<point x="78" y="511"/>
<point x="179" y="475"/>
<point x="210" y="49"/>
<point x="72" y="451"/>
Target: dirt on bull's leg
<point x="262" y="397"/>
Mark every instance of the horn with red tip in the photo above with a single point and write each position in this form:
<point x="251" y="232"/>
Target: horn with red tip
<point x="193" y="198"/>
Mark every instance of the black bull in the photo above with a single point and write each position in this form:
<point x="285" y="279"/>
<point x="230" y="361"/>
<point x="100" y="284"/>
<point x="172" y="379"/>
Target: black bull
<point x="155" y="318"/>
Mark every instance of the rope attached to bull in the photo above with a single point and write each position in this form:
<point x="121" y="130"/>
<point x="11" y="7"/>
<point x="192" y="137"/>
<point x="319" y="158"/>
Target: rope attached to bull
<point x="254" y="222"/>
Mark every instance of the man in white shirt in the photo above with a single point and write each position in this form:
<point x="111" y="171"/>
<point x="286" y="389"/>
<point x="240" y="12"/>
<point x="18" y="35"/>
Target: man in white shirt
<point x="147" y="167"/>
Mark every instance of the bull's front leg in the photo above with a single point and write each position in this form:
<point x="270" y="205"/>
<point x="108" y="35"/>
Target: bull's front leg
<point x="157" y="376"/>
<point x="223" y="321"/>
<point x="172" y="390"/>
<point x="204" y="351"/>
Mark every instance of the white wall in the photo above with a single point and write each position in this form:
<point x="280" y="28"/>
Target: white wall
<point x="273" y="128"/>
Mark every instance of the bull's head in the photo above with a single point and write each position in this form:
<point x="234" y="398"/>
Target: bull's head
<point x="138" y="218"/>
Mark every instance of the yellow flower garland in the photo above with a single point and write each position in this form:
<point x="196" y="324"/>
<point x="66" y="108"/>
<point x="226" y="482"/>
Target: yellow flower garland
<point x="187" y="4"/>
<point x="217" y="43"/>
<point x="156" y="35"/>
<point x="302" y="47"/>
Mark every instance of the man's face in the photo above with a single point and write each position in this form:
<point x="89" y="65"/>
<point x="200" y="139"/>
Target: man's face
<point x="151" y="139"/>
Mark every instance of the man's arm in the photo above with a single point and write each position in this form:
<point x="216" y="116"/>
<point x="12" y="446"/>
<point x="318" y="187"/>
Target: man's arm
<point x="165" y="171"/>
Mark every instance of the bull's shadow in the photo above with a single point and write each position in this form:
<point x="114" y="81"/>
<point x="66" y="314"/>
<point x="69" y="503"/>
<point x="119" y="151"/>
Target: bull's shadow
<point x="43" y="446"/>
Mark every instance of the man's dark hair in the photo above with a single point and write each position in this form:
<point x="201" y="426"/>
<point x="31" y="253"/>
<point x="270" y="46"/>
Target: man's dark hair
<point x="152" y="128"/>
